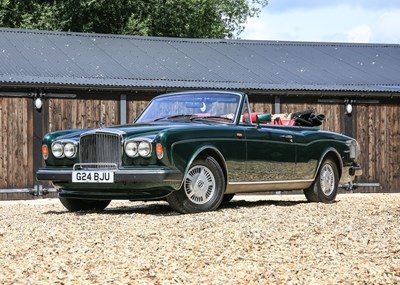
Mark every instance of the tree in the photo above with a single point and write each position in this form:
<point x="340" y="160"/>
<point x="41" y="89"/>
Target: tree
<point x="173" y="18"/>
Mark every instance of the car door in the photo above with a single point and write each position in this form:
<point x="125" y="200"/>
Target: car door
<point x="271" y="153"/>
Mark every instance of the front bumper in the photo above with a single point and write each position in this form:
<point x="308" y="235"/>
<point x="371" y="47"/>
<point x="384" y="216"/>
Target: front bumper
<point x="349" y="173"/>
<point x="120" y="175"/>
<point x="355" y="170"/>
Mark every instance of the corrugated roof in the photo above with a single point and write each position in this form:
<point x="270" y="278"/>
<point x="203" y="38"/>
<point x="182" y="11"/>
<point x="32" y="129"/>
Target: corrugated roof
<point x="43" y="57"/>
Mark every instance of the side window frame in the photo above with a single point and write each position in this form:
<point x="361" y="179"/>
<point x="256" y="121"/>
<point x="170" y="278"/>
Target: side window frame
<point x="245" y="110"/>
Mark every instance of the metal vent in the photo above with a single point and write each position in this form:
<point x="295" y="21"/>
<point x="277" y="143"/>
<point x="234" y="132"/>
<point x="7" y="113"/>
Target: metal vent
<point x="100" y="149"/>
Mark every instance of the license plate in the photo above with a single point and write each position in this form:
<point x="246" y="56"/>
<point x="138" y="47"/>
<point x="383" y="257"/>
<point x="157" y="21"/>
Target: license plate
<point x="93" y="176"/>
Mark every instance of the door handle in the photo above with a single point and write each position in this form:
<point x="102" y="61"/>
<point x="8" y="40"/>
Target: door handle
<point x="287" y="137"/>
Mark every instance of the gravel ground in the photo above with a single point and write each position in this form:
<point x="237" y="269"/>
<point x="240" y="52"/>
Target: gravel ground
<point x="251" y="240"/>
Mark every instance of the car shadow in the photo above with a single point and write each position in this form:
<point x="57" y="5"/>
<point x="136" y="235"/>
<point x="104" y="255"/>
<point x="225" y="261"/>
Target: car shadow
<point x="147" y="208"/>
<point x="259" y="203"/>
<point x="163" y="209"/>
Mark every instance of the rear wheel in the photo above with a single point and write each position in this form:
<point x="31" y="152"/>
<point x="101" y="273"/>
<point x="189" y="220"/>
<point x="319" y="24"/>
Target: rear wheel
<point x="202" y="189"/>
<point x="74" y="205"/>
<point x="324" y="189"/>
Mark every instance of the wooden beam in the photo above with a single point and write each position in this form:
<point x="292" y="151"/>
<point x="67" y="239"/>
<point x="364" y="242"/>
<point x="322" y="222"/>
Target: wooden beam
<point x="37" y="142"/>
<point x="122" y="109"/>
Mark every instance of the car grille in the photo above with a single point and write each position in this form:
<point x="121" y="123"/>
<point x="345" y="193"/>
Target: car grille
<point x="100" y="150"/>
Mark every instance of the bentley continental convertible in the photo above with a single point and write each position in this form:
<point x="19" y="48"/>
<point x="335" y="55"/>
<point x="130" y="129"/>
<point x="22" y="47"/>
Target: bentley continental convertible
<point x="197" y="149"/>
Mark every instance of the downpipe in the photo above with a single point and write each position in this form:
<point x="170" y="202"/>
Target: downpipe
<point x="37" y="191"/>
<point x="350" y="186"/>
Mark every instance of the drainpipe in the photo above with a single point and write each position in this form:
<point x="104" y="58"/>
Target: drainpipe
<point x="38" y="102"/>
<point x="350" y="113"/>
<point x="122" y="109"/>
<point x="277" y="105"/>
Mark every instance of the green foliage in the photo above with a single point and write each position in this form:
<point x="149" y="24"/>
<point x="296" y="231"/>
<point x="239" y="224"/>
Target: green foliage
<point x="174" y="18"/>
<point x="28" y="14"/>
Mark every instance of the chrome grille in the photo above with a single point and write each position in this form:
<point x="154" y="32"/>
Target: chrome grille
<point x="100" y="149"/>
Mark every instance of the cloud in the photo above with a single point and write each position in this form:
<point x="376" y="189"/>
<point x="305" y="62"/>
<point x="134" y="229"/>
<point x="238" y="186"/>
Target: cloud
<point x="359" y="34"/>
<point x="387" y="27"/>
<point x="288" y="5"/>
<point x="344" y="22"/>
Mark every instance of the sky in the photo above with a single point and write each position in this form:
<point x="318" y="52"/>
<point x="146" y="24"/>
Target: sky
<point x="355" y="21"/>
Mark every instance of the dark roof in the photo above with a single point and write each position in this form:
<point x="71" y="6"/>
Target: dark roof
<point x="42" y="58"/>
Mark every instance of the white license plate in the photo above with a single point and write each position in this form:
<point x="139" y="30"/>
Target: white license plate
<point x="93" y="176"/>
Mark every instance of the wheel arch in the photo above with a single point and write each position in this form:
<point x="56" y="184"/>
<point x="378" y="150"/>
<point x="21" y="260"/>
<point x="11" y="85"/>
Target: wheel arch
<point x="213" y="152"/>
<point x="335" y="156"/>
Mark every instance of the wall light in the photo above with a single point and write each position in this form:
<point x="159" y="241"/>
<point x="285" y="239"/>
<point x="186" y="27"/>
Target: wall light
<point x="349" y="109"/>
<point x="38" y="103"/>
<point x="348" y="106"/>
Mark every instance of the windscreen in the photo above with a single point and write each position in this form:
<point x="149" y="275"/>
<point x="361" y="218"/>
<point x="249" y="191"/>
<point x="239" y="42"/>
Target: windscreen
<point x="191" y="105"/>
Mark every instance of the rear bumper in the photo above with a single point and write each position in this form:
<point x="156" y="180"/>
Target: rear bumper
<point x="137" y="175"/>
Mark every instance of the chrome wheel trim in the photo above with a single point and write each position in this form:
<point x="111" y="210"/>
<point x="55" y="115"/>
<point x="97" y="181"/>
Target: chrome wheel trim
<point x="327" y="179"/>
<point x="199" y="185"/>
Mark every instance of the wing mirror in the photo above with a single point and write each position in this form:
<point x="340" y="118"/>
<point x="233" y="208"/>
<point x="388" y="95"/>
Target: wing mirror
<point x="263" y="118"/>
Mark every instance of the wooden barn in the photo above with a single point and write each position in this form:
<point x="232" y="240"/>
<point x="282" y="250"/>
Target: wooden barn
<point x="53" y="80"/>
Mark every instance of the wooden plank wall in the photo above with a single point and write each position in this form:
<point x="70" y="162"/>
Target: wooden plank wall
<point x="81" y="113"/>
<point x="136" y="104"/>
<point x="16" y="153"/>
<point x="265" y="107"/>
<point x="135" y="108"/>
<point x="378" y="132"/>
<point x="334" y="114"/>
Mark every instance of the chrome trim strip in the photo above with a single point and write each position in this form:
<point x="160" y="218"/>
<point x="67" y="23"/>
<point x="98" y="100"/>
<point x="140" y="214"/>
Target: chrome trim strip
<point x="260" y="186"/>
<point x="105" y="130"/>
<point x="95" y="166"/>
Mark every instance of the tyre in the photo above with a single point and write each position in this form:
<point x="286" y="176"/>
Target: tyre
<point x="202" y="189"/>
<point x="74" y="205"/>
<point x="227" y="198"/>
<point x="324" y="188"/>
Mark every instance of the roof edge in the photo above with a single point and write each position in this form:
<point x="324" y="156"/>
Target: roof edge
<point x="194" y="40"/>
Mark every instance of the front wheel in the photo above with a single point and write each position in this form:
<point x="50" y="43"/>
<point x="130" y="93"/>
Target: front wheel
<point x="324" y="189"/>
<point x="74" y="205"/>
<point x="202" y="189"/>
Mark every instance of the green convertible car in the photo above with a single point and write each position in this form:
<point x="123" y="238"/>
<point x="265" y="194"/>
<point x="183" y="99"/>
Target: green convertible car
<point x="197" y="149"/>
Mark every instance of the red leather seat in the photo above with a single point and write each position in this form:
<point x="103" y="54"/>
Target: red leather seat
<point x="253" y="117"/>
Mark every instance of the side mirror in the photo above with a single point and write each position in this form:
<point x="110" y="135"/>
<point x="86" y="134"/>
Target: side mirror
<point x="263" y="118"/>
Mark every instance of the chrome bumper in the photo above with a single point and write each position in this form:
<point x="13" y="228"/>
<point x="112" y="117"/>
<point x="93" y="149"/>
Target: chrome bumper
<point x="137" y="175"/>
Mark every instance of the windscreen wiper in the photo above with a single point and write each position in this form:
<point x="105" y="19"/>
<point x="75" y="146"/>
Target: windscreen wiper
<point x="213" y="118"/>
<point x="180" y="116"/>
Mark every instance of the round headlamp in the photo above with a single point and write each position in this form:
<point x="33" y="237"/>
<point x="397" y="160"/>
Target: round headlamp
<point x="131" y="149"/>
<point x="58" y="150"/>
<point x="70" y="150"/>
<point x="144" y="149"/>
